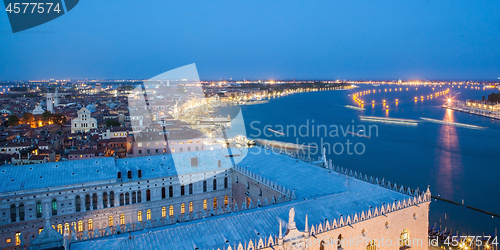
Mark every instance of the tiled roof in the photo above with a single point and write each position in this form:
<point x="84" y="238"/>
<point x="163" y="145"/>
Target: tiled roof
<point x="104" y="170"/>
<point x="321" y="194"/>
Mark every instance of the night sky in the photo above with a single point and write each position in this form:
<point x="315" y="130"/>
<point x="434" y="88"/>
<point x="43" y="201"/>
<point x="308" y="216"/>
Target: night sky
<point x="271" y="39"/>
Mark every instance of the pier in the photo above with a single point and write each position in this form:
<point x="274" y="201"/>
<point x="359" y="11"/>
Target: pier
<point x="480" y="108"/>
<point x="452" y="123"/>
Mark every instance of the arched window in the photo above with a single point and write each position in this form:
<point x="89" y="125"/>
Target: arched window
<point x="322" y="245"/>
<point x="59" y="228"/>
<point x="94" y="201"/>
<point x="260" y="192"/>
<point x="171" y="211"/>
<point x="339" y="242"/>
<point x="119" y="175"/>
<point x="163" y="212"/>
<point x="104" y="200"/>
<point x="204" y="186"/>
<point x="90" y="225"/>
<point x="111" y="199"/>
<point x="39" y="209"/>
<point x="122" y="219"/>
<point x="129" y="174"/>
<point x="134" y="197"/>
<point x="215" y="202"/>
<point x="78" y="204"/>
<point x="148" y="195"/>
<point x="87" y="202"/>
<point x="13" y="214"/>
<point x="405" y="238"/>
<point x="139" y="173"/>
<point x="139" y="196"/>
<point x="122" y="200"/>
<point x="148" y="214"/>
<point x="80" y="226"/>
<point x="110" y="221"/>
<point x="226" y="200"/>
<point x="371" y="246"/>
<point x="215" y="184"/>
<point x="205" y="204"/>
<point x="139" y="216"/>
<point x="170" y="191"/>
<point x="190" y="207"/>
<point x="127" y="198"/>
<point x="183" y="208"/>
<point x="21" y="212"/>
<point x="54" y="206"/>
<point x="163" y="193"/>
<point x="226" y="184"/>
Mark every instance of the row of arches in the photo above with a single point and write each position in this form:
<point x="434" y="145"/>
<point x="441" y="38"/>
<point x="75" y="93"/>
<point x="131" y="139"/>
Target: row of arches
<point x="129" y="174"/>
<point x="403" y="243"/>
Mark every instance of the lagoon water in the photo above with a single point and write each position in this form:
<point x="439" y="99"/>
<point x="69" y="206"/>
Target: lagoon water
<point x="457" y="163"/>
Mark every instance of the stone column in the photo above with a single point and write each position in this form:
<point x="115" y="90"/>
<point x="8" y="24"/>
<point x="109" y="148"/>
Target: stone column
<point x="99" y="201"/>
<point x="117" y="199"/>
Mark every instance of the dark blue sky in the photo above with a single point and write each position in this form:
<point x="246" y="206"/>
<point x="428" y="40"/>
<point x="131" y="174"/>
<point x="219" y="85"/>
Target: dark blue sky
<point x="334" y="39"/>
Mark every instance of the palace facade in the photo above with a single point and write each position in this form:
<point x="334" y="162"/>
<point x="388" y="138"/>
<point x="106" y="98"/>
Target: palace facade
<point x="215" y="199"/>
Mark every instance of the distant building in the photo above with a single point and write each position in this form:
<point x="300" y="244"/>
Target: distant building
<point x="38" y="110"/>
<point x="56" y="98"/>
<point x="98" y="87"/>
<point x="50" y="102"/>
<point x="84" y="122"/>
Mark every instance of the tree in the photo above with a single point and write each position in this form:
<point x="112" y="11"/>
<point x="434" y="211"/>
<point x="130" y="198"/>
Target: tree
<point x="13" y="120"/>
<point x="59" y="119"/>
<point x="46" y="116"/>
<point x="112" y="123"/>
<point x="28" y="118"/>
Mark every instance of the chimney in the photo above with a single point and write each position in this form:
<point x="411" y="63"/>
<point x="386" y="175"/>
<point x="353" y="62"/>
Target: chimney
<point x="194" y="162"/>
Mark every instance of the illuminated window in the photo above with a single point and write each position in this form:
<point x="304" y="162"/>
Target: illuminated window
<point x="18" y="238"/>
<point x="226" y="200"/>
<point x="110" y="221"/>
<point x="139" y="216"/>
<point x="39" y="209"/>
<point x="405" y="238"/>
<point x="171" y="211"/>
<point x="215" y="202"/>
<point x="371" y="246"/>
<point x="163" y="212"/>
<point x="148" y="214"/>
<point x="90" y="224"/>
<point x="7" y="241"/>
<point x="183" y="209"/>
<point x="59" y="228"/>
<point x="204" y="204"/>
<point x="190" y="207"/>
<point x="40" y="230"/>
<point x="54" y="207"/>
<point x="122" y="219"/>
<point x="80" y="226"/>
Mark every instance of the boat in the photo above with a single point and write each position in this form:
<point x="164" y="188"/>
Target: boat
<point x="376" y="85"/>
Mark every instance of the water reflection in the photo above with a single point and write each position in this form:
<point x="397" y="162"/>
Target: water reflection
<point x="449" y="160"/>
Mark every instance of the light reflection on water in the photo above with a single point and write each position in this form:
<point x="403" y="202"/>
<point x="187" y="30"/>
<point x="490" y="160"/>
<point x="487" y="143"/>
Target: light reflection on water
<point x="449" y="160"/>
<point x="458" y="163"/>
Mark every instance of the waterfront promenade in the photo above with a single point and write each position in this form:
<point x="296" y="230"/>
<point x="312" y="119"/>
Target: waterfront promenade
<point x="466" y="107"/>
